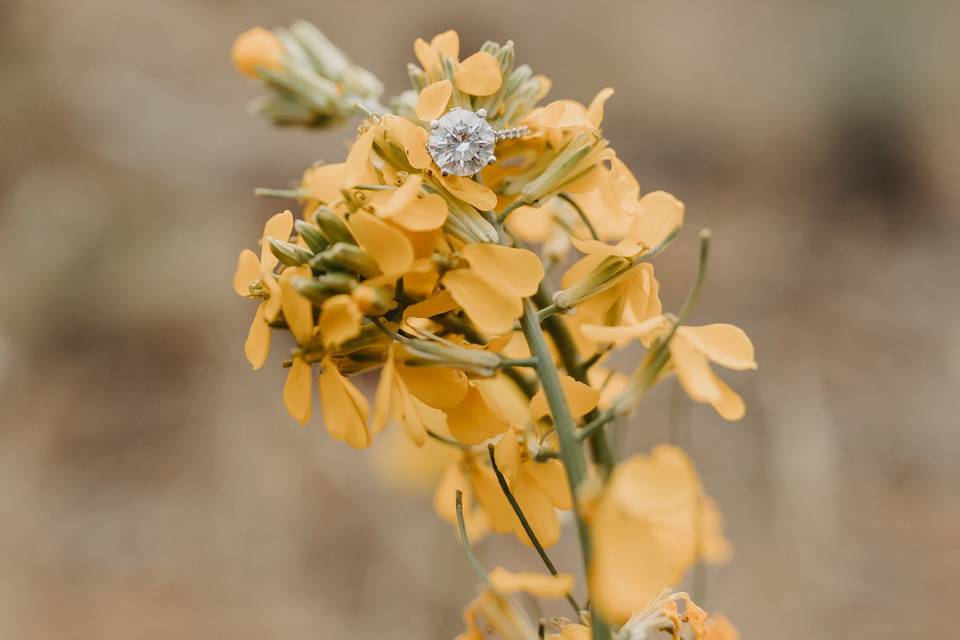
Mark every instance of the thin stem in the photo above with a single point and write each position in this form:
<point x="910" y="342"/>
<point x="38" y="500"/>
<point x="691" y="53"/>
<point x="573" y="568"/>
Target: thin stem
<point x="505" y="487"/>
<point x="588" y="430"/>
<point x="516" y="204"/>
<point x="518" y="362"/>
<point x="571" y="452"/>
<point x="294" y="194"/>
<point x="547" y="311"/>
<point x="466" y="541"/>
<point x="580" y="212"/>
<point x="373" y="187"/>
<point x="387" y="330"/>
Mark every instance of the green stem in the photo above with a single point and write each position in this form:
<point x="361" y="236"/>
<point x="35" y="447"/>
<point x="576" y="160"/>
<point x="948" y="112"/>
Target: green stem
<point x="466" y="541"/>
<point x="580" y="212"/>
<point x="447" y="441"/>
<point x="600" y="449"/>
<point x="571" y="452"/>
<point x="505" y="487"/>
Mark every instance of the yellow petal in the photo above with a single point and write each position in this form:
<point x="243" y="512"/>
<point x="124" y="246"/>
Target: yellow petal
<point x="274" y="299"/>
<point x="624" y="185"/>
<point x="651" y="486"/>
<point x="389" y="247"/>
<point x="489" y="305"/>
<point x="278" y="227"/>
<point x="693" y="371"/>
<point x="581" y="399"/>
<point x="323" y="182"/>
<point x="539" y="511"/>
<point x="491" y="499"/>
<point x="537" y="584"/>
<point x="345" y="410"/>
<point x="622" y="334"/>
<point x="507" y="452"/>
<point x="248" y="270"/>
<point x="438" y="387"/>
<point x="257" y="345"/>
<point x="383" y="397"/>
<point x="440" y="303"/>
<point x="413" y="210"/>
<point x="257" y="48"/>
<point x="357" y="169"/>
<point x="473" y="421"/>
<point x="479" y="75"/>
<point x="729" y="404"/>
<point x="517" y="269"/>
<point x="626" y="248"/>
<point x="297" y="310"/>
<point x="595" y="110"/>
<point x="643" y="293"/>
<point x="339" y="320"/>
<point x="447" y="43"/>
<point x="412" y="418"/>
<point x="296" y="390"/>
<point x="724" y="344"/>
<point x="421" y="279"/>
<point x="412" y="138"/>
<point x="444" y="502"/>
<point x="433" y="100"/>
<point x="659" y="214"/>
<point x="470" y="191"/>
<point x="552" y="479"/>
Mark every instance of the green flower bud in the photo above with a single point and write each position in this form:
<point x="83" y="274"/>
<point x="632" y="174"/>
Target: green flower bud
<point x="332" y="226"/>
<point x="346" y="257"/>
<point x="311" y="235"/>
<point x="601" y="278"/>
<point x="288" y="253"/>
<point x="428" y="353"/>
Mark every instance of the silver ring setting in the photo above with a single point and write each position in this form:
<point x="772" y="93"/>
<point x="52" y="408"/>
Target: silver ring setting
<point x="462" y="141"/>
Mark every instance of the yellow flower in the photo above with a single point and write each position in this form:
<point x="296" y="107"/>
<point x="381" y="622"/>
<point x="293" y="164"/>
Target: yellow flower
<point x="491" y="289"/>
<point x="691" y="351"/>
<point x="540" y="488"/>
<point x="581" y="399"/>
<point x="298" y="313"/>
<point x="257" y="48"/>
<point x="345" y="410"/>
<point x="477" y="417"/>
<point x="479" y="75"/>
<point x="412" y="397"/>
<point x="255" y="277"/>
<point x="645" y="530"/>
<point x="446" y="44"/>
<point x="658" y="214"/>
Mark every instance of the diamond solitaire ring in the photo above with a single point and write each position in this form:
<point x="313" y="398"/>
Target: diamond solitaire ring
<point x="461" y="141"/>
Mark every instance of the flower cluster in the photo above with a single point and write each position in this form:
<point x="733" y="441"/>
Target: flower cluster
<point x="393" y="264"/>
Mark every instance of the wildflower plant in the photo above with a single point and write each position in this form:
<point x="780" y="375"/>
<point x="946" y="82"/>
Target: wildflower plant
<point x="443" y="284"/>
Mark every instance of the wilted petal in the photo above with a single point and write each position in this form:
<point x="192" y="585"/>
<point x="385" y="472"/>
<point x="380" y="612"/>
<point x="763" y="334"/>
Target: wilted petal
<point x="724" y="344"/>
<point x="433" y="100"/>
<point x="479" y="75"/>
<point x="248" y="270"/>
<point x="297" y="390"/>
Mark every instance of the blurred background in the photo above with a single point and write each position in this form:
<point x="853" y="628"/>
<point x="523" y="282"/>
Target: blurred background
<point x="152" y="486"/>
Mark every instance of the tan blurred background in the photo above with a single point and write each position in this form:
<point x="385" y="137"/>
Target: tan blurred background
<point x="152" y="486"/>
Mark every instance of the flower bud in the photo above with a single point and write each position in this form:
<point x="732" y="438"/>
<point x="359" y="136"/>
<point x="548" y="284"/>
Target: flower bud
<point x="332" y="226"/>
<point x="290" y="254"/>
<point x="346" y="257"/>
<point x="428" y="353"/>
<point x="601" y="278"/>
<point x="561" y="171"/>
<point x="311" y="235"/>
<point x="325" y="286"/>
<point x="257" y="48"/>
